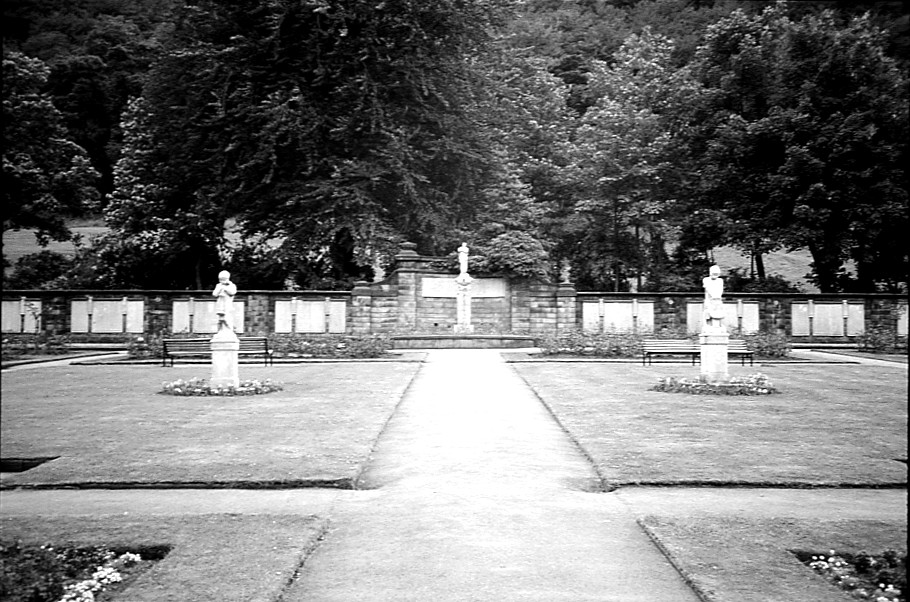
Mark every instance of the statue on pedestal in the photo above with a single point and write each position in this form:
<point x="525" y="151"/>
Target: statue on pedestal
<point x="463" y="258"/>
<point x="225" y="344"/>
<point x="565" y="271"/>
<point x="714" y="312"/>
<point x="714" y="337"/>
<point x="463" y="294"/>
<point x="224" y="296"/>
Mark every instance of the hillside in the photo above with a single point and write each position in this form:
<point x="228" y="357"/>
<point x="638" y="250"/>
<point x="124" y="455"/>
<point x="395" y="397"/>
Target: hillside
<point x="793" y="267"/>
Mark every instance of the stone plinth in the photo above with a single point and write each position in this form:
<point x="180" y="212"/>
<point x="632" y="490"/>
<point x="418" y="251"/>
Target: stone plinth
<point x="225" y="346"/>
<point x="463" y="305"/>
<point x="714" y="345"/>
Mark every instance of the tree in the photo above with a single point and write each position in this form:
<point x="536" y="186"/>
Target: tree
<point x="804" y="143"/>
<point x="158" y="239"/>
<point x="46" y="177"/>
<point x="336" y="128"/>
<point x="522" y="204"/>
<point x="97" y="52"/>
<point x="629" y="163"/>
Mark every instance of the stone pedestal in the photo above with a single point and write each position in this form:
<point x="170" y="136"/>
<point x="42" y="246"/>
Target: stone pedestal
<point x="463" y="305"/>
<point x="714" y="344"/>
<point x="225" y="346"/>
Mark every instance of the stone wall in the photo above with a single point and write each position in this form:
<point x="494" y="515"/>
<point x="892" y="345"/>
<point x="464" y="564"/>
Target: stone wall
<point x="805" y="317"/>
<point x="419" y="298"/>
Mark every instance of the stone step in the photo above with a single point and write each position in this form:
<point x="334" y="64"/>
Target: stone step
<point x="462" y="341"/>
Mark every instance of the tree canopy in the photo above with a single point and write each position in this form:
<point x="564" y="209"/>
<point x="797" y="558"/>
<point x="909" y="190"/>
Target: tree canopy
<point x="804" y="142"/>
<point x="46" y="176"/>
<point x="297" y="143"/>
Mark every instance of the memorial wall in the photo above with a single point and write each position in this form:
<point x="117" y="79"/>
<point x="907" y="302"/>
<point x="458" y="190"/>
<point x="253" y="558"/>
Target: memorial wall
<point x="419" y="298"/>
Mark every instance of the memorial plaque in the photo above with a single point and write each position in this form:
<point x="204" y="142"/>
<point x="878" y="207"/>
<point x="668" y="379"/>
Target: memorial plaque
<point x="748" y="311"/>
<point x="442" y="287"/>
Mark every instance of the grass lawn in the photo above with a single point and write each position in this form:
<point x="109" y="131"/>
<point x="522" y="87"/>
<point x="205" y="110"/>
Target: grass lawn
<point x="213" y="557"/>
<point x="831" y="425"/>
<point x="733" y="559"/>
<point x="110" y="427"/>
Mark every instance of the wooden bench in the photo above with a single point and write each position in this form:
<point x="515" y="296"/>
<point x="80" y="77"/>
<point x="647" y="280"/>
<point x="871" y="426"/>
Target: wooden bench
<point x="653" y="347"/>
<point x="683" y="347"/>
<point x="737" y="348"/>
<point x="174" y="348"/>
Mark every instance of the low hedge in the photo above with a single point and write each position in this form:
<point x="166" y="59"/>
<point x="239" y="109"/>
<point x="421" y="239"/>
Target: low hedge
<point x="286" y="345"/>
<point x="624" y="344"/>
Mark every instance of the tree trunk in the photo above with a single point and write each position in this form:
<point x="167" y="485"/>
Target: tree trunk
<point x="824" y="268"/>
<point x="759" y="265"/>
<point x="198" y="269"/>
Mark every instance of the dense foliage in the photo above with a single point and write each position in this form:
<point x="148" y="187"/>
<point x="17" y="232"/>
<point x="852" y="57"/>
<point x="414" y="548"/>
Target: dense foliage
<point x="803" y="145"/>
<point x="298" y="143"/>
<point x="46" y="177"/>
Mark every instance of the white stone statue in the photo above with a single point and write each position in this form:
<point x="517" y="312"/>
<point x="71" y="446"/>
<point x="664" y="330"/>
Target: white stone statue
<point x="463" y="258"/>
<point x="378" y="272"/>
<point x="224" y="296"/>
<point x="714" y="313"/>
<point x="565" y="271"/>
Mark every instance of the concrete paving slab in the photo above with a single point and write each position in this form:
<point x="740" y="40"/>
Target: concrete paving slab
<point x="570" y="546"/>
<point x="182" y="502"/>
<point x="833" y="504"/>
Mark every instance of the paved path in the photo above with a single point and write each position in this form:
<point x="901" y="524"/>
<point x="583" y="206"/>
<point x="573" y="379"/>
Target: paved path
<point x="475" y="493"/>
<point x="481" y="496"/>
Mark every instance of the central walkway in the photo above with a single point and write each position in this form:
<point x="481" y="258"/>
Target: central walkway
<point x="474" y="492"/>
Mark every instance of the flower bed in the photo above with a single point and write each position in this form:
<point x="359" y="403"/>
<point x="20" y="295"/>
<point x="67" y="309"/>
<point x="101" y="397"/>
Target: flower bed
<point x="881" y="578"/>
<point x="200" y="387"/>
<point x="755" y="384"/>
<point x="48" y="574"/>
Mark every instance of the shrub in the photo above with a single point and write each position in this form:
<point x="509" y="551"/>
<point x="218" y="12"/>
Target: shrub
<point x="36" y="270"/>
<point x="329" y="346"/>
<point x="283" y="345"/>
<point x="35" y="344"/>
<point x="150" y="345"/>
<point x="766" y="344"/>
<point x="598" y="344"/>
<point x="881" y="339"/>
